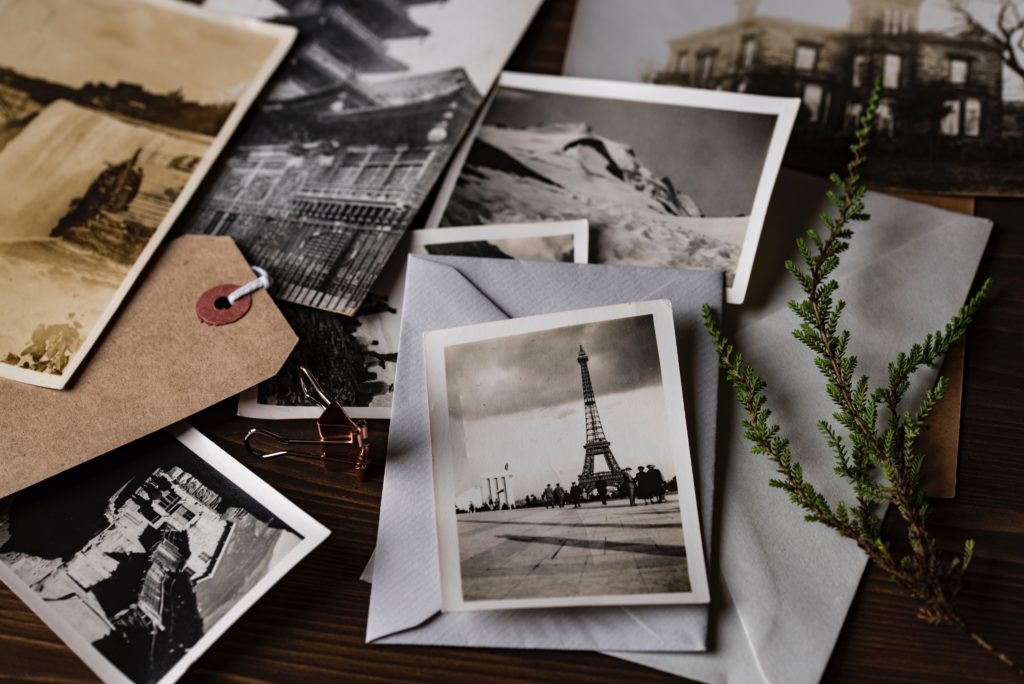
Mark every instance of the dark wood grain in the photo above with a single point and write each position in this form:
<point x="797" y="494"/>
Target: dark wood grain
<point x="310" y="627"/>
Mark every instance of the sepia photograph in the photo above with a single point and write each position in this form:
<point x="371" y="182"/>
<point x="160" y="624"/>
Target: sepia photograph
<point x="354" y="358"/>
<point x="562" y="470"/>
<point x="951" y="117"/>
<point x="669" y="177"/>
<point x="140" y="559"/>
<point x="111" y="111"/>
<point x="351" y="135"/>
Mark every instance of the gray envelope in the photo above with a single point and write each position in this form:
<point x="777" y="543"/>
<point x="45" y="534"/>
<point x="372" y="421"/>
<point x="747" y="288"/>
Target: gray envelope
<point x="443" y="292"/>
<point x="785" y="584"/>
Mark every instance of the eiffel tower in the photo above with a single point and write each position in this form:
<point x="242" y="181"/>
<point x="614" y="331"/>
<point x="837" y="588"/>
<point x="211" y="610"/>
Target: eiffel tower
<point x="597" y="444"/>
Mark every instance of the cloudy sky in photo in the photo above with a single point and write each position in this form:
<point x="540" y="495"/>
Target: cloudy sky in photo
<point x="626" y="40"/>
<point x="518" y="400"/>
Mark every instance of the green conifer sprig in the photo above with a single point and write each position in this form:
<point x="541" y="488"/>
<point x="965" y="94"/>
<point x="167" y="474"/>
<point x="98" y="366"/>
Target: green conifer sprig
<point x="881" y="462"/>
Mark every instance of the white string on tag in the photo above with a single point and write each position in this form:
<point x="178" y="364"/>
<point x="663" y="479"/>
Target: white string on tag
<point x="260" y="283"/>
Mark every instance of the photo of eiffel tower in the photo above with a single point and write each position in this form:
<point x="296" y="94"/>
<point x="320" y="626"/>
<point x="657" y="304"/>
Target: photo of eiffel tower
<point x="528" y="520"/>
<point x="597" y="444"/>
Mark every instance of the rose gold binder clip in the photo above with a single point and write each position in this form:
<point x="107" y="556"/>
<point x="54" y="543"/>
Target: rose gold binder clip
<point x="342" y="442"/>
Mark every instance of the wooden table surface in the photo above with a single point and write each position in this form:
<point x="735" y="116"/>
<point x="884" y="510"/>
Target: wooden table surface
<point x="310" y="627"/>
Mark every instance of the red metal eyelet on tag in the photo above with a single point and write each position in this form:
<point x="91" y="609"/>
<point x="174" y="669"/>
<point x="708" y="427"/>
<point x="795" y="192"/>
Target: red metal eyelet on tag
<point x="213" y="309"/>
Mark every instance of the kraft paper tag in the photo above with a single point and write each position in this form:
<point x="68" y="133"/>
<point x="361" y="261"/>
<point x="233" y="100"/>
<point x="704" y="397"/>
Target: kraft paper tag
<point x="156" y="365"/>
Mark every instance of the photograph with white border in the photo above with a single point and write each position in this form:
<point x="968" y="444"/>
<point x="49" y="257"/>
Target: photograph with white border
<point x="562" y="468"/>
<point x="374" y="334"/>
<point x="667" y="176"/>
<point x="139" y="560"/>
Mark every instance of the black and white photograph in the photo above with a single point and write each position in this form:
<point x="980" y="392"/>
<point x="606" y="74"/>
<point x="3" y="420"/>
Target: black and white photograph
<point x="351" y="135"/>
<point x="562" y="471"/>
<point x="355" y="358"/>
<point x="111" y="111"/>
<point x="141" y="558"/>
<point x="951" y="117"/>
<point x="669" y="177"/>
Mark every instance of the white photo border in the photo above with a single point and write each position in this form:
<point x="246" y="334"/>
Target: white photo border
<point x="434" y="345"/>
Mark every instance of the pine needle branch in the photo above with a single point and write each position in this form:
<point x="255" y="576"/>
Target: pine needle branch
<point x="881" y="464"/>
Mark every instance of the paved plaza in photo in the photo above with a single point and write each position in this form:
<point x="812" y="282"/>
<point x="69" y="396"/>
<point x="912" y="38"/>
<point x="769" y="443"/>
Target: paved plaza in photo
<point x="588" y="551"/>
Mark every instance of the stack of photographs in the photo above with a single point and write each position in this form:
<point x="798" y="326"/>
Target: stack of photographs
<point x="111" y="112"/>
<point x="336" y="161"/>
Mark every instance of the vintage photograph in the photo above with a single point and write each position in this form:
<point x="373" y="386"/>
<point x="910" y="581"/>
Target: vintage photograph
<point x="670" y="177"/>
<point x="562" y="469"/>
<point x="951" y="118"/>
<point x="140" y="559"/>
<point x="111" y="111"/>
<point x="354" y="358"/>
<point x="355" y="129"/>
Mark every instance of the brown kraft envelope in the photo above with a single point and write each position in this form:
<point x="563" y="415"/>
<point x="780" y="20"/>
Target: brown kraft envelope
<point x="942" y="440"/>
<point x="156" y="365"/>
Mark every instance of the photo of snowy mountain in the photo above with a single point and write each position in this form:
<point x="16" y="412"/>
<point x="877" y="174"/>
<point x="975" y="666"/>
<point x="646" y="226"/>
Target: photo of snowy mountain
<point x="142" y="552"/>
<point x="662" y="184"/>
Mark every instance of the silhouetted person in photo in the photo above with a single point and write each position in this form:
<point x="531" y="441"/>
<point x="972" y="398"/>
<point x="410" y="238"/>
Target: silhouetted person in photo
<point x="549" y="497"/>
<point x="559" y="495"/>
<point x="657" y="483"/>
<point x="629" y="487"/>
<point x="602" y="491"/>
<point x="574" y="495"/>
<point x="643" y="486"/>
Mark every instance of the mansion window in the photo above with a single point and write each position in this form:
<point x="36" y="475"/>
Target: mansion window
<point x="860" y="70"/>
<point x="814" y="96"/>
<point x="950" y="122"/>
<point x="707" y="67"/>
<point x="972" y="117"/>
<point x="962" y="117"/>
<point x="683" y="63"/>
<point x="885" y="117"/>
<point x="748" y="52"/>
<point x="806" y="58"/>
<point x="958" y="71"/>
<point x="891" y="71"/>
<point x="895" y="21"/>
<point x="854" y="110"/>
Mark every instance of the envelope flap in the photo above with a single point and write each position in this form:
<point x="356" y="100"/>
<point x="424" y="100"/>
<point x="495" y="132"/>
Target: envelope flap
<point x="407" y="594"/>
<point x="156" y="365"/>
